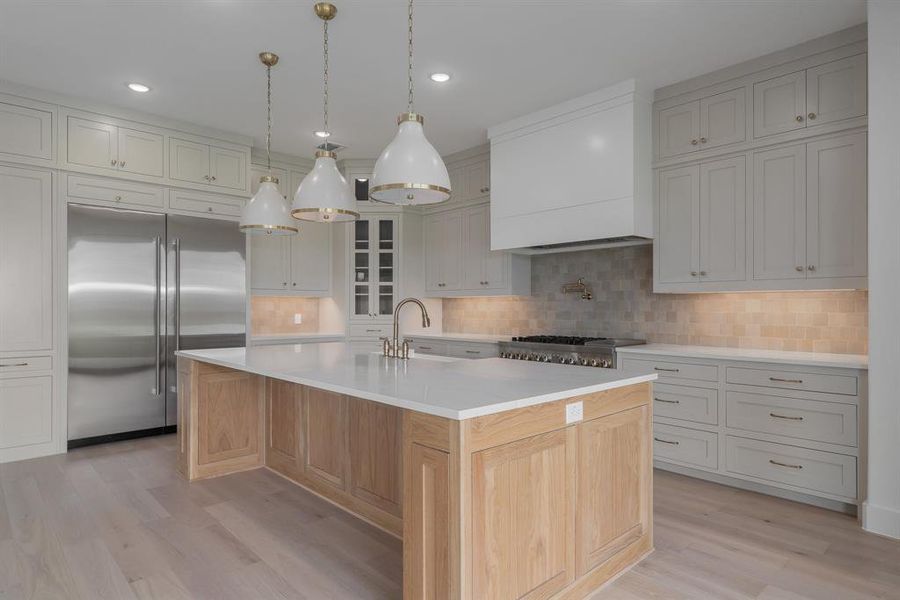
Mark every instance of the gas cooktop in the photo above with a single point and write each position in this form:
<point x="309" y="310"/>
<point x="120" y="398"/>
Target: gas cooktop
<point x="566" y="349"/>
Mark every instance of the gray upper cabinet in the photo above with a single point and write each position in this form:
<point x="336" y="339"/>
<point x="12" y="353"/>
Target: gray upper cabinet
<point x="677" y="237"/>
<point x="679" y="129"/>
<point x="109" y="147"/>
<point x="26" y="130"/>
<point x="211" y="165"/>
<point x="823" y="94"/>
<point x="723" y="119"/>
<point x="723" y="223"/>
<point x="779" y="213"/>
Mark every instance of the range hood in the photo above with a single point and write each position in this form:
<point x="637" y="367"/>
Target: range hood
<point x="574" y="176"/>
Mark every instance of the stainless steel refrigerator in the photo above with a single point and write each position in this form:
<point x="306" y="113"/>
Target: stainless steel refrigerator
<point x="141" y="286"/>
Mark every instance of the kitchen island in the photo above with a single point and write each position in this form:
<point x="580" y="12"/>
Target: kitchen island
<point x="505" y="479"/>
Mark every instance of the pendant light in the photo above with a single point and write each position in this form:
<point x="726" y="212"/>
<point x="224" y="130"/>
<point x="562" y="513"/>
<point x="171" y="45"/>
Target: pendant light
<point x="409" y="170"/>
<point x="267" y="212"/>
<point x="324" y="194"/>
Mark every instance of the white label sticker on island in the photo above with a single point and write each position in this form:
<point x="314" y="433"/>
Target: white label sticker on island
<point x="574" y="412"/>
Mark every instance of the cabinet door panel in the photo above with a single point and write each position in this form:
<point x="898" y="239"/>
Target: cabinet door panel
<point x="229" y="423"/>
<point x="477" y="247"/>
<point x="426" y="524"/>
<point x="311" y="259"/>
<point x="452" y="250"/>
<point x="228" y="168"/>
<point x="837" y="207"/>
<point x="459" y="183"/>
<point x="92" y="144"/>
<point x="723" y="119"/>
<point x="376" y="432"/>
<point x="679" y="129"/>
<point x="778" y="104"/>
<point x="325" y="435"/>
<point x="26" y="131"/>
<point x="433" y="252"/>
<point x="284" y="409"/>
<point x="140" y="152"/>
<point x="613" y="504"/>
<point x="836" y="90"/>
<point x="677" y="236"/>
<point x="521" y="510"/>
<point x="26" y="249"/>
<point x="25" y="411"/>
<point x="779" y="214"/>
<point x="478" y="179"/>
<point x="723" y="224"/>
<point x="188" y="161"/>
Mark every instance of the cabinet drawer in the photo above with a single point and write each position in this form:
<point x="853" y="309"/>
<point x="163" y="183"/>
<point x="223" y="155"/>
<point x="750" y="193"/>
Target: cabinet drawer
<point x="371" y="330"/>
<point x="472" y="350"/>
<point x="110" y="192"/>
<point x="668" y="370"/>
<point x="9" y="366"/>
<point x="690" y="446"/>
<point x="428" y="346"/>
<point x="793" y="380"/>
<point x="686" y="403"/>
<point x="205" y="204"/>
<point x="829" y="422"/>
<point x="815" y="470"/>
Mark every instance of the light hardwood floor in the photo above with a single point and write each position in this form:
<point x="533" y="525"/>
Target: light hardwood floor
<point x="116" y="521"/>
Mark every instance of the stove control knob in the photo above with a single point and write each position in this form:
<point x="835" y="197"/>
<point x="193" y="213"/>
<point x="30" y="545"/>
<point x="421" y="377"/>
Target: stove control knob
<point x="605" y="364"/>
<point x="594" y="363"/>
<point x="584" y="362"/>
<point x="547" y="358"/>
<point x="571" y="361"/>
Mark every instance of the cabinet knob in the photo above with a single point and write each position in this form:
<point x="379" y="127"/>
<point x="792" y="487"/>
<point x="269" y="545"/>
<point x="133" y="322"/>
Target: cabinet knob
<point x="693" y="273"/>
<point x="206" y="177"/>
<point x="122" y="163"/>
<point x="113" y="162"/>
<point x="811" y="116"/>
<point x="811" y="268"/>
<point x="799" y="268"/>
<point x="209" y="209"/>
<point x="703" y="273"/>
<point x="213" y="178"/>
<point x="118" y="198"/>
<point x="694" y="142"/>
<point x="284" y="283"/>
<point x="799" y="118"/>
<point x="294" y="284"/>
<point x="702" y="140"/>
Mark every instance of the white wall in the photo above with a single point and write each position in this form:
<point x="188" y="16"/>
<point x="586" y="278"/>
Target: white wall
<point x="881" y="510"/>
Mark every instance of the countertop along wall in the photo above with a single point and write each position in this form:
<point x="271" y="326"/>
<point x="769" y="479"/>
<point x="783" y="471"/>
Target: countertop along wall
<point x="622" y="279"/>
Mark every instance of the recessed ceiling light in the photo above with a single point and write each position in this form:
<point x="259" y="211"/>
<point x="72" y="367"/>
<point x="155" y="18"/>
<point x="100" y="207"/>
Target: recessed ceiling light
<point x="322" y="134"/>
<point x="440" y="77"/>
<point x="139" y="87"/>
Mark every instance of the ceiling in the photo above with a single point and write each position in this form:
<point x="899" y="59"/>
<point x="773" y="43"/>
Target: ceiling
<point x="507" y="57"/>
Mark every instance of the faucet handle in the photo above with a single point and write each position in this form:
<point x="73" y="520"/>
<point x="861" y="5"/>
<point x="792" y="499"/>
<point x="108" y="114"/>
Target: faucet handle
<point x="405" y="348"/>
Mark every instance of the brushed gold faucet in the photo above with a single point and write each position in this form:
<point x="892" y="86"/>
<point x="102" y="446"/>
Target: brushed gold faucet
<point x="392" y="347"/>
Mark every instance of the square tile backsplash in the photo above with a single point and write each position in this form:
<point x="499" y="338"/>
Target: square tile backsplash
<point x="275" y="314"/>
<point x="624" y="305"/>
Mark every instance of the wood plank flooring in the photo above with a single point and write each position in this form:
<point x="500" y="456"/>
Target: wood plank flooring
<point x="117" y="522"/>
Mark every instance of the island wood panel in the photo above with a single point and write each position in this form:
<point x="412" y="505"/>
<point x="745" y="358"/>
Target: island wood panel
<point x="284" y="415"/>
<point x="325" y="434"/>
<point x="427" y="524"/>
<point x="186" y="384"/>
<point x="523" y="518"/>
<point x="613" y="494"/>
<point x="376" y="469"/>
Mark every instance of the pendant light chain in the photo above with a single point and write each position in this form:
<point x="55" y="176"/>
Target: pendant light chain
<point x="409" y="69"/>
<point x="269" y="118"/>
<point x="325" y="81"/>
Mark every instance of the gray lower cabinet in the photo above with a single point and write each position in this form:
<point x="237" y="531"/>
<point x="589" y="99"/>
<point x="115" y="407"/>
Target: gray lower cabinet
<point x="785" y="427"/>
<point x="454" y="348"/>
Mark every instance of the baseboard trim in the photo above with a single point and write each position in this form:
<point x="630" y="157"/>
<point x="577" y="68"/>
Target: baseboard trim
<point x="120" y="437"/>
<point x="881" y="520"/>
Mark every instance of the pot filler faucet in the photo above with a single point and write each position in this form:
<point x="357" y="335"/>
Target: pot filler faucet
<point x="393" y="347"/>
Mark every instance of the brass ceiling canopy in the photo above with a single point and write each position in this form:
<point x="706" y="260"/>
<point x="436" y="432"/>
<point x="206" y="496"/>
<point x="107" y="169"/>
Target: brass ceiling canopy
<point x="325" y="10"/>
<point x="270" y="59"/>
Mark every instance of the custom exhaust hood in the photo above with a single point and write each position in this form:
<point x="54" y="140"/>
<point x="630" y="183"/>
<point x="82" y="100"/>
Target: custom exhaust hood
<point x="574" y="176"/>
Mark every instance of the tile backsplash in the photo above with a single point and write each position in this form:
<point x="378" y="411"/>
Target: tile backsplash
<point x="275" y="314"/>
<point x="624" y="305"/>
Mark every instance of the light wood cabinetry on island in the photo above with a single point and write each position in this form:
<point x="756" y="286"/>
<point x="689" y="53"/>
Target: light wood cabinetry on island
<point x="518" y="504"/>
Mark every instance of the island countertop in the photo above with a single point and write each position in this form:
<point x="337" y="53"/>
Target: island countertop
<point x="453" y="388"/>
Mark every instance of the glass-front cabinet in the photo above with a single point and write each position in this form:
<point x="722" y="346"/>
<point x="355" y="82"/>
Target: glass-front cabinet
<point x="375" y="266"/>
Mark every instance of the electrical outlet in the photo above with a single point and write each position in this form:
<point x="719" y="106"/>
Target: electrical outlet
<point x="574" y="412"/>
<point x="298" y="319"/>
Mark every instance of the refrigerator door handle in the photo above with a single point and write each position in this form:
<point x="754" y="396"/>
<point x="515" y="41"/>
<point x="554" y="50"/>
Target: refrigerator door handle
<point x="177" y="244"/>
<point x="156" y="318"/>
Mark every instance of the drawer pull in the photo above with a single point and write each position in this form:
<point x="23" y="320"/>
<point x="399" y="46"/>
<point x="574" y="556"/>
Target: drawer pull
<point x="473" y="351"/>
<point x="425" y="348"/>
<point x="14" y="365"/>
<point x="781" y="464"/>
<point x="777" y="416"/>
<point x="668" y="401"/>
<point x="666" y="441"/>
<point x="373" y="330"/>
<point x="667" y="370"/>
<point x="785" y="380"/>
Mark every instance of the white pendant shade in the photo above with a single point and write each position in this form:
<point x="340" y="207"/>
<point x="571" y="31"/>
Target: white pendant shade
<point x="324" y="194"/>
<point x="267" y="212"/>
<point x="410" y="170"/>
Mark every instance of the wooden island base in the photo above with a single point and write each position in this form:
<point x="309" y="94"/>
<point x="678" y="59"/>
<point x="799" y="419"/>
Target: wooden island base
<point x="506" y="506"/>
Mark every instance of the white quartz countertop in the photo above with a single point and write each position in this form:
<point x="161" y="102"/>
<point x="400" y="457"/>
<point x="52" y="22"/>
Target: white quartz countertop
<point x="811" y="359"/>
<point x="455" y="389"/>
<point x="460" y="337"/>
